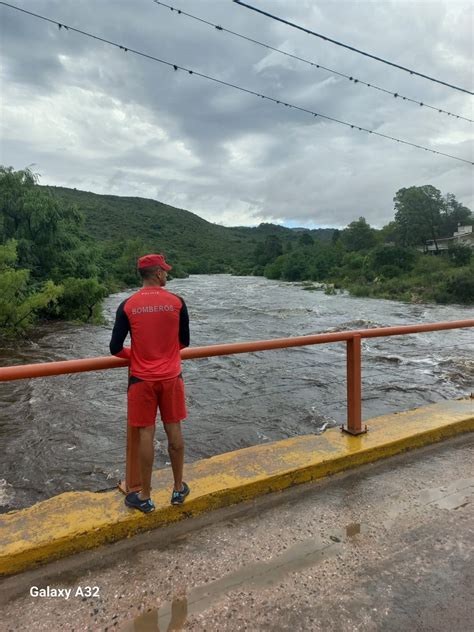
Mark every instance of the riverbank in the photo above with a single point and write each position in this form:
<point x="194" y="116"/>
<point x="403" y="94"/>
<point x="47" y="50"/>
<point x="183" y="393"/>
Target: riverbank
<point x="441" y="285"/>
<point x="437" y="287"/>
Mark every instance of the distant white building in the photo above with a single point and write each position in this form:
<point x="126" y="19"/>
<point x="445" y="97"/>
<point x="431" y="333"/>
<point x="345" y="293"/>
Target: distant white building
<point x="464" y="236"/>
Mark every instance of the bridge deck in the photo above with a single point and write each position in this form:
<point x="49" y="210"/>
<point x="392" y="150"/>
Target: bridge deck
<point x="386" y="547"/>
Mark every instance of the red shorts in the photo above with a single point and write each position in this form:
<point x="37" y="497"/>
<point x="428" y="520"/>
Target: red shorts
<point x="144" y="397"/>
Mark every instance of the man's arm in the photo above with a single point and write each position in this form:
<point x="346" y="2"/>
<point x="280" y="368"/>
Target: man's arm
<point x="183" y="325"/>
<point x="119" y="333"/>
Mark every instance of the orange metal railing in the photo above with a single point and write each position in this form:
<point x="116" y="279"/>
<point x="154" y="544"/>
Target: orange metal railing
<point x="352" y="338"/>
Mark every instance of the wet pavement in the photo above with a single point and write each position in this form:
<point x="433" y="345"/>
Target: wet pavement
<point x="389" y="547"/>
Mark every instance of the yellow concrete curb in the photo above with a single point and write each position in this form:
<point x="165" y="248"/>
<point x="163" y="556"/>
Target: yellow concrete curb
<point x="76" y="521"/>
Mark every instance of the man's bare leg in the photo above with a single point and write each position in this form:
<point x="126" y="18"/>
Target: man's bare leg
<point x="146" y="453"/>
<point x="176" y="452"/>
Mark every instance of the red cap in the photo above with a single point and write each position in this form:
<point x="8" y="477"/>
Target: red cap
<point x="149" y="261"/>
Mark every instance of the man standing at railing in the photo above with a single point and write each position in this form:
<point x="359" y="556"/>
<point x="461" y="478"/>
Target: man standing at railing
<point x="158" y="323"/>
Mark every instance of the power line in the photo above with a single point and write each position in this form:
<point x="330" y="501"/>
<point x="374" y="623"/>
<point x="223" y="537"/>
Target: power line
<point x="176" y="67"/>
<point x="356" y="50"/>
<point x="218" y="27"/>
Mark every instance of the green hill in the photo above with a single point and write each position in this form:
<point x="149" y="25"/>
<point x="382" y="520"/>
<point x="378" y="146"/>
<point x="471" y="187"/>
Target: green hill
<point x="198" y="245"/>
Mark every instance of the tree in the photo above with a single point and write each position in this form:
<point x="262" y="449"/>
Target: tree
<point x="389" y="233"/>
<point x="305" y="240"/>
<point x="44" y="228"/>
<point x="50" y="266"/>
<point x="359" y="235"/>
<point x="19" y="302"/>
<point x="121" y="259"/>
<point x="352" y="266"/>
<point x="454" y="214"/>
<point x="418" y="215"/>
<point x="461" y="288"/>
<point x="460" y="255"/>
<point x="268" y="251"/>
<point x="81" y="300"/>
<point x="398" y="257"/>
<point x="295" y="267"/>
<point x="326" y="259"/>
<point x="274" y="270"/>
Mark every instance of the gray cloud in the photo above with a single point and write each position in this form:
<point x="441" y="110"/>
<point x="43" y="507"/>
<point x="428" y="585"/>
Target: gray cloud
<point x="101" y="119"/>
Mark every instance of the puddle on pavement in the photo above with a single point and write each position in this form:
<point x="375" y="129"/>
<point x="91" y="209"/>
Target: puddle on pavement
<point x="456" y="500"/>
<point x="454" y="496"/>
<point x="165" y="619"/>
<point x="172" y="616"/>
<point x="451" y="496"/>
<point x="352" y="529"/>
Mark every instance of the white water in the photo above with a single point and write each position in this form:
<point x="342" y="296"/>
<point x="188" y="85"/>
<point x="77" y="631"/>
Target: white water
<point x="68" y="432"/>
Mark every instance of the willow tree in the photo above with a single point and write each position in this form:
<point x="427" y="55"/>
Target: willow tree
<point x="19" y="301"/>
<point x="44" y="228"/>
<point x="44" y="248"/>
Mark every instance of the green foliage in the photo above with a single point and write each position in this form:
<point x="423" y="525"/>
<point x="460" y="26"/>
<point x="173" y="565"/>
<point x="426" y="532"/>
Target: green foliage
<point x="361" y="290"/>
<point x="454" y="213"/>
<point x="268" y="250"/>
<point x="418" y="214"/>
<point x="386" y="270"/>
<point x="460" y="255"/>
<point x="43" y="244"/>
<point x="8" y="254"/>
<point x="20" y="302"/>
<point x="353" y="261"/>
<point x="81" y="300"/>
<point x="325" y="260"/>
<point x="432" y="279"/>
<point x="389" y="234"/>
<point x="430" y="266"/>
<point x="295" y="267"/>
<point x="398" y="258"/>
<point x="460" y="287"/>
<point x="305" y="240"/>
<point x="120" y="259"/>
<point x="274" y="270"/>
<point x="389" y="271"/>
<point x="45" y="229"/>
<point x="359" y="235"/>
<point x="422" y="214"/>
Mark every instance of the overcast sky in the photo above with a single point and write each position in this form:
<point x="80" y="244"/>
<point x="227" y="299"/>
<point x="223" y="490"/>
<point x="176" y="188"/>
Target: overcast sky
<point x="90" y="116"/>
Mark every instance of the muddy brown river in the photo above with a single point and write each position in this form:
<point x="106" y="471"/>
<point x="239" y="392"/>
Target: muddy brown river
<point x="68" y="432"/>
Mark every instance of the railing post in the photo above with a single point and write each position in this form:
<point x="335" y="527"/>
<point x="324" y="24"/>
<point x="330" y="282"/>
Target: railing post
<point x="354" y="387"/>
<point x="133" y="479"/>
